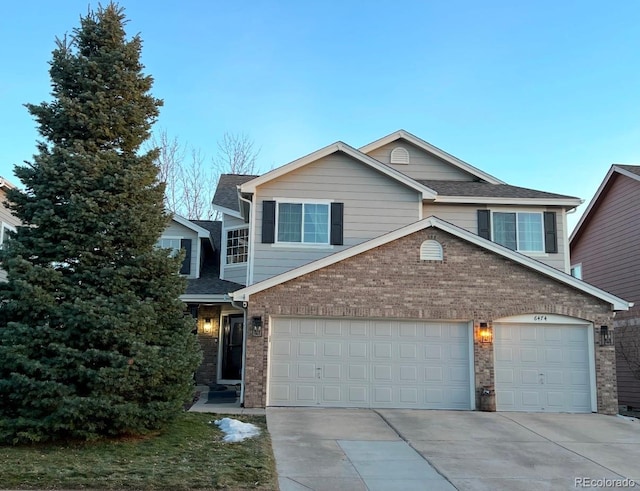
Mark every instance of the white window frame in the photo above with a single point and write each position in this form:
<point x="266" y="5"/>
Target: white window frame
<point x="303" y="202"/>
<point x="170" y="237"/>
<point x="541" y="252"/>
<point x="226" y="248"/>
<point x="3" y="236"/>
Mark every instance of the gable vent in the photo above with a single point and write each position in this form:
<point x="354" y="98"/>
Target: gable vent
<point x="399" y="155"/>
<point x="431" y="250"/>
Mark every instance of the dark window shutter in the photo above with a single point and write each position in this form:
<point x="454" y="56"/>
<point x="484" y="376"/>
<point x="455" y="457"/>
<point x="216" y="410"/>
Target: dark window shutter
<point x="337" y="228"/>
<point x="550" y="232"/>
<point x="484" y="224"/>
<point x="268" y="222"/>
<point x="186" y="264"/>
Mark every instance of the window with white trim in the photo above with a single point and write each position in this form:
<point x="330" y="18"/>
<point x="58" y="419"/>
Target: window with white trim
<point x="305" y="223"/>
<point x="4" y="235"/>
<point x="237" y="246"/>
<point x="172" y="243"/>
<point x="519" y="231"/>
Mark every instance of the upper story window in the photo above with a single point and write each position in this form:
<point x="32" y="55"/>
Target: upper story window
<point x="4" y="232"/>
<point x="519" y="231"/>
<point x="528" y="232"/>
<point x="302" y="222"/>
<point x="307" y="223"/>
<point x="237" y="246"/>
<point x="172" y="243"/>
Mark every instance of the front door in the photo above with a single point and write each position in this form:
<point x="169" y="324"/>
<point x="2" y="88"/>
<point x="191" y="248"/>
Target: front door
<point x="232" y="348"/>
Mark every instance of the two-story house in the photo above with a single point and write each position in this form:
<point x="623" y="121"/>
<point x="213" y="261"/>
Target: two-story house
<point x="396" y="275"/>
<point x="605" y="251"/>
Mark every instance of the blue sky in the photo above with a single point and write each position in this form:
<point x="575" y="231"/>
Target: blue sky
<point x="541" y="94"/>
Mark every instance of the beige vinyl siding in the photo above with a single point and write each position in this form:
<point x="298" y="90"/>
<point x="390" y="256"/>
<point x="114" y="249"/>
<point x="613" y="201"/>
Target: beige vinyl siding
<point x="422" y="165"/>
<point x="177" y="230"/>
<point x="374" y="204"/>
<point x="7" y="218"/>
<point x="466" y="217"/>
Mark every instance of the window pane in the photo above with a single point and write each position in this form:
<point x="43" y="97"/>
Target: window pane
<point x="169" y="244"/>
<point x="530" y="232"/>
<point x="316" y="223"/>
<point x="237" y="246"/>
<point x="504" y="229"/>
<point x="289" y="222"/>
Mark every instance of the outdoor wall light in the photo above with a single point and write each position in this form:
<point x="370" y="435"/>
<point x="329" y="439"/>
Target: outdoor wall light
<point x="207" y="325"/>
<point x="606" y="336"/>
<point x="256" y="326"/>
<point x="485" y="333"/>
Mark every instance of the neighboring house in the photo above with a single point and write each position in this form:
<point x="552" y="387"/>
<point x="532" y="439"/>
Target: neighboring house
<point x="396" y="275"/>
<point x="605" y="251"/>
<point x="8" y="222"/>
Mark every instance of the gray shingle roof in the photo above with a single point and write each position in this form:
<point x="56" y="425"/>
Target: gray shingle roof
<point x="209" y="281"/>
<point x="487" y="190"/>
<point x="226" y="194"/>
<point x="634" y="169"/>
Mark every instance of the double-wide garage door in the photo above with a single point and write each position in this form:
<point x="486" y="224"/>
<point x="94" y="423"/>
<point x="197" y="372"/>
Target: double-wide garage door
<point x="369" y="363"/>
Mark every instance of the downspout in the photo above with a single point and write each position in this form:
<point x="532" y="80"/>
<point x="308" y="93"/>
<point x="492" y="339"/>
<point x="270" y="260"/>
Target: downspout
<point x="243" y="306"/>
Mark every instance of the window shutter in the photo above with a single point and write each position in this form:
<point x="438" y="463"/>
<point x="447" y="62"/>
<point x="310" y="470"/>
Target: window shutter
<point x="484" y="224"/>
<point x="186" y="264"/>
<point x="268" y="222"/>
<point x="337" y="228"/>
<point x="550" y="232"/>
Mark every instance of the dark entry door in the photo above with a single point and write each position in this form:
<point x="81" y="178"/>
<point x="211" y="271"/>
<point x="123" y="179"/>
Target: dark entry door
<point x="232" y="348"/>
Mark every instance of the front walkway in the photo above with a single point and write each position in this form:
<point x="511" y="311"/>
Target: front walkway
<point x="202" y="406"/>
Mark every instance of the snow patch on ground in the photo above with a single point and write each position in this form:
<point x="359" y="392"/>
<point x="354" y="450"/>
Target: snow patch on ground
<point x="236" y="431"/>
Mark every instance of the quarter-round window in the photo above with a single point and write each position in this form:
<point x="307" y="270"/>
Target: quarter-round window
<point x="431" y="250"/>
<point x="399" y="155"/>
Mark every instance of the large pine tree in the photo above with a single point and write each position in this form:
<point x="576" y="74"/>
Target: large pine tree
<point x="93" y="339"/>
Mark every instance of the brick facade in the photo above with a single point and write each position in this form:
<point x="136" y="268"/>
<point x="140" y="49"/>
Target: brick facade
<point x="391" y="281"/>
<point x="207" y="371"/>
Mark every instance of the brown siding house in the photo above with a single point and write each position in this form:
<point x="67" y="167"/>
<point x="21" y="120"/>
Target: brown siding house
<point x="605" y="248"/>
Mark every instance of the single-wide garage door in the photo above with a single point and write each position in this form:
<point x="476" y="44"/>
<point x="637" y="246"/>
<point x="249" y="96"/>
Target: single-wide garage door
<point x="542" y="368"/>
<point x="369" y="363"/>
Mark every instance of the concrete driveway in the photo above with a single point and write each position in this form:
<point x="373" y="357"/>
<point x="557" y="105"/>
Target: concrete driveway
<point x="355" y="449"/>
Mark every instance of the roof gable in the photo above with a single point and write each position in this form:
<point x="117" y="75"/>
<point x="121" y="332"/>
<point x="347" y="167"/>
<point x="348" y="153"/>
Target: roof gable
<point x="225" y="198"/>
<point x="427" y="147"/>
<point x="630" y="171"/>
<point x="617" y="303"/>
<point x="250" y="186"/>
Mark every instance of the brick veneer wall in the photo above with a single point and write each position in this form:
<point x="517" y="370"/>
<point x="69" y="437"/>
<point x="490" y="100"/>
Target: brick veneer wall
<point x="206" y="374"/>
<point x="391" y="281"/>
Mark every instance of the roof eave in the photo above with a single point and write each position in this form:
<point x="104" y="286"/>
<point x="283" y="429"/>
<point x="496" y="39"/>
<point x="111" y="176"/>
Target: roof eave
<point x="250" y="186"/>
<point x="617" y="303"/>
<point x="202" y="232"/>
<point x="568" y="203"/>
<point x="205" y="298"/>
<point x="603" y="185"/>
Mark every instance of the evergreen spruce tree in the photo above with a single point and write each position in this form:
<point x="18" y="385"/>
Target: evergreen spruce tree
<point x="93" y="339"/>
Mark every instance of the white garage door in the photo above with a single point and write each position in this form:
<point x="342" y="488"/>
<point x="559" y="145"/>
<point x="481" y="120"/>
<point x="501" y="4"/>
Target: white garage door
<point x="542" y="368"/>
<point x="369" y="363"/>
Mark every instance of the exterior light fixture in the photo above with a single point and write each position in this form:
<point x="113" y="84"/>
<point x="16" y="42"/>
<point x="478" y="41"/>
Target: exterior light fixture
<point x="606" y="336"/>
<point x="485" y="333"/>
<point x="256" y="326"/>
<point x="207" y="325"/>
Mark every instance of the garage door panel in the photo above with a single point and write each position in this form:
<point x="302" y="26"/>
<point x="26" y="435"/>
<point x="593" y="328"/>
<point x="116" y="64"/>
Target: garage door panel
<point x="549" y="370"/>
<point x="387" y="364"/>
<point x="307" y="328"/>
